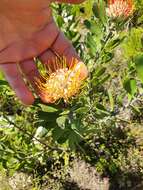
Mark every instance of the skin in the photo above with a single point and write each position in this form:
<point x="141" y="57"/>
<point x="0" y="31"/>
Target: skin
<point x="28" y="30"/>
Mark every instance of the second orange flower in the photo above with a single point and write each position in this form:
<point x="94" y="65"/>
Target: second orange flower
<point x="120" y="8"/>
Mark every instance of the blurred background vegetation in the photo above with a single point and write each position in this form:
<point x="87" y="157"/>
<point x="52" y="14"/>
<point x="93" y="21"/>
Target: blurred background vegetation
<point x="95" y="142"/>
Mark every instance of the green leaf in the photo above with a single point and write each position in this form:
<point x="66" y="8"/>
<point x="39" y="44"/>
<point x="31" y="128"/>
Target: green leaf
<point x="116" y="41"/>
<point x="64" y="137"/>
<point x="102" y="11"/>
<point x="57" y="133"/>
<point x="91" y="44"/>
<point x="65" y="112"/>
<point x="60" y="21"/>
<point x="87" y="24"/>
<point x="139" y="66"/>
<point x="74" y="139"/>
<point x="101" y="109"/>
<point x="99" y="71"/>
<point x="130" y="86"/>
<point x="61" y="121"/>
<point x="81" y="110"/>
<point x="3" y="82"/>
<point x="104" y="79"/>
<point x="47" y="108"/>
<point x="99" y="10"/>
<point x="96" y="10"/>
<point x="108" y="56"/>
<point x="1" y="76"/>
<point x="47" y="116"/>
<point x="111" y="100"/>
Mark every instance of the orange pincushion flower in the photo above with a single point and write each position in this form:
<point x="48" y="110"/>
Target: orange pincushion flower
<point x="119" y="8"/>
<point x="64" y="82"/>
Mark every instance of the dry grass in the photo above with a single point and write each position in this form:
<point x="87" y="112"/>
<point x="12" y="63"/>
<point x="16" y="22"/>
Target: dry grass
<point x="4" y="185"/>
<point x="87" y="178"/>
<point x="19" y="181"/>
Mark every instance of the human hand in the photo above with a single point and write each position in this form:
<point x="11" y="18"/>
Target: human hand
<point x="28" y="30"/>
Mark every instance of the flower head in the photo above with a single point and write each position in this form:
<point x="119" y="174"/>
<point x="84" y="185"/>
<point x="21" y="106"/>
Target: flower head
<point x="119" y="8"/>
<point x="64" y="82"/>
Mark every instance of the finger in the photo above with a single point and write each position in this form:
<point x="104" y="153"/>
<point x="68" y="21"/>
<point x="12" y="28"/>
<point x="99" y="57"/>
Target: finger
<point x="48" y="57"/>
<point x="30" y="71"/>
<point x="69" y="1"/>
<point x="63" y="47"/>
<point x="17" y="83"/>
